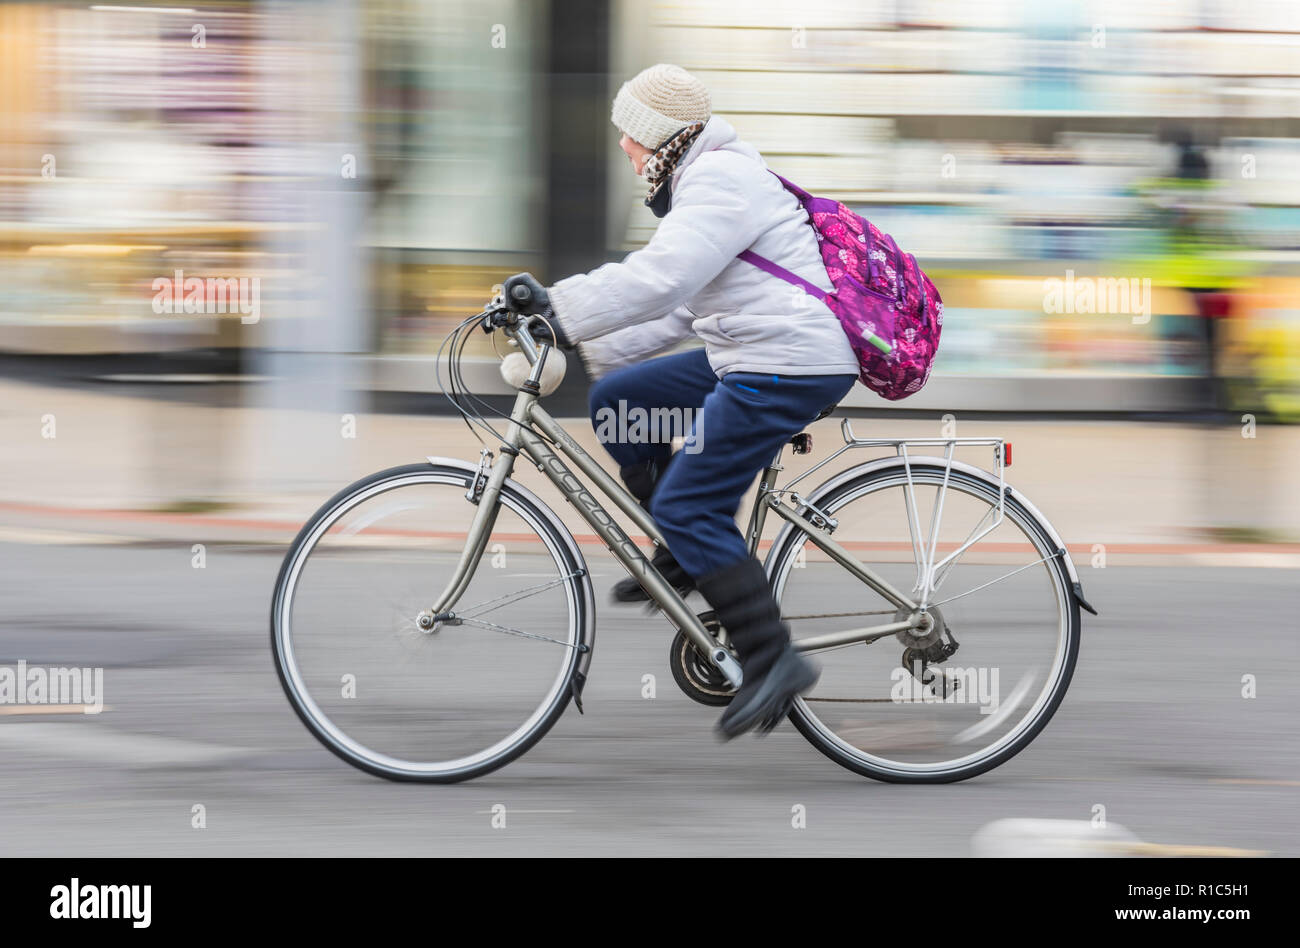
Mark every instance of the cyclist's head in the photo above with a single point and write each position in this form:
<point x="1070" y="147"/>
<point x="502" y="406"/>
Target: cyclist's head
<point x="654" y="105"/>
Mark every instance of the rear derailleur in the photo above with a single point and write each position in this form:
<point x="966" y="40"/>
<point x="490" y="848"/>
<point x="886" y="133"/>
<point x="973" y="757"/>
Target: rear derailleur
<point x="934" y="647"/>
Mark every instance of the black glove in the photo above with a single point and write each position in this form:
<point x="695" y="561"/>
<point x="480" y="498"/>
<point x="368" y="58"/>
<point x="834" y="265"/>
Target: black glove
<point x="523" y="294"/>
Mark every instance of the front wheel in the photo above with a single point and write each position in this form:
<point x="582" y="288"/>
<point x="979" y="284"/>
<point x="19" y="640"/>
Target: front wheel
<point x="437" y="704"/>
<point x="982" y="681"/>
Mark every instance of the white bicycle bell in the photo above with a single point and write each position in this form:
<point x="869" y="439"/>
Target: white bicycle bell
<point x="515" y="370"/>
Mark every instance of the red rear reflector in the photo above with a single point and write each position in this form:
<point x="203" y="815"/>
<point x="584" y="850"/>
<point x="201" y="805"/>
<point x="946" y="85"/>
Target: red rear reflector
<point x="1006" y="453"/>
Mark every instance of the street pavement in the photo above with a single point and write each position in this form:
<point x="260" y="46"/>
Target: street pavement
<point x="1154" y="729"/>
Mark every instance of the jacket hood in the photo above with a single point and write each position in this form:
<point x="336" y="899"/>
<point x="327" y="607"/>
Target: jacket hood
<point x="717" y="135"/>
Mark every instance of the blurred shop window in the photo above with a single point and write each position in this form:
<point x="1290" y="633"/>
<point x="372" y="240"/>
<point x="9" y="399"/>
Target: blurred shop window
<point x="449" y="117"/>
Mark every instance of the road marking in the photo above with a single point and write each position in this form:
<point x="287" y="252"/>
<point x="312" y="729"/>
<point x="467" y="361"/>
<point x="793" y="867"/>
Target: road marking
<point x="1081" y="838"/>
<point x="100" y="744"/>
<point x="15" y="709"/>
<point x="1138" y="848"/>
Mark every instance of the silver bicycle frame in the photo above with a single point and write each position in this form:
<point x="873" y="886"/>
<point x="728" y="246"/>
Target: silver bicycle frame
<point x="534" y="432"/>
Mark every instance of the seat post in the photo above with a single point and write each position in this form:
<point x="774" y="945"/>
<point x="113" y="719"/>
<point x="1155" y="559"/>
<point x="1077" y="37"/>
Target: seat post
<point x="766" y="483"/>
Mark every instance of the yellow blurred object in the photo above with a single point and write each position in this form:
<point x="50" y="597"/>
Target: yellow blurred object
<point x="90" y="250"/>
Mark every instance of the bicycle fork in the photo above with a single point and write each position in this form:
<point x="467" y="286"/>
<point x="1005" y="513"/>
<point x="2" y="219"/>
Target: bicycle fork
<point x="476" y="541"/>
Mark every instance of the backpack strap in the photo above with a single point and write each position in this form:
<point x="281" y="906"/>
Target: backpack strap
<point x="803" y="196"/>
<point x="781" y="273"/>
<point x="920" y="282"/>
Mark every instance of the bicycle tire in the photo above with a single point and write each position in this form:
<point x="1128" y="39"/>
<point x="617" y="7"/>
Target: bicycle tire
<point x="522" y="502"/>
<point x="780" y="559"/>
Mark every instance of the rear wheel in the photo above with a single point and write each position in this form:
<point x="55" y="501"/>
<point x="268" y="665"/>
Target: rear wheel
<point x="395" y="694"/>
<point x="976" y="687"/>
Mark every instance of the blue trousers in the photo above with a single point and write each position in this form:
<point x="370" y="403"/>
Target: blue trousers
<point x="733" y="427"/>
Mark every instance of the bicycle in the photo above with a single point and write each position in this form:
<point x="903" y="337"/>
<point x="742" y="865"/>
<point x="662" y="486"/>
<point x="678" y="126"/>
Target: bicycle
<point x="353" y="594"/>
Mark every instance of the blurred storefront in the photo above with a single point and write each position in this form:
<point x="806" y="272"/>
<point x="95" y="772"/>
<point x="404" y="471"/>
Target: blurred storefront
<point x="380" y="167"/>
<point x="1014" y="145"/>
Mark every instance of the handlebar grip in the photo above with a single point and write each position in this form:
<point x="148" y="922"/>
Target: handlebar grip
<point x="521" y="294"/>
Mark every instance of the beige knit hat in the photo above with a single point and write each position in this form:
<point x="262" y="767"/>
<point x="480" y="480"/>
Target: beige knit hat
<point x="658" y="102"/>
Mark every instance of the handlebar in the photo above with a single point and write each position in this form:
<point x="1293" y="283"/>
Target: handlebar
<point x="502" y="312"/>
<point x="518" y="326"/>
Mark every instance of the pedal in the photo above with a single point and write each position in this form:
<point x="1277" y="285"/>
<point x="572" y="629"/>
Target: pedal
<point x="728" y="666"/>
<point x="720" y="657"/>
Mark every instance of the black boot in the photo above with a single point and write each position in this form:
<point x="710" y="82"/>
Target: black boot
<point x="774" y="673"/>
<point x="629" y="590"/>
<point x="641" y="480"/>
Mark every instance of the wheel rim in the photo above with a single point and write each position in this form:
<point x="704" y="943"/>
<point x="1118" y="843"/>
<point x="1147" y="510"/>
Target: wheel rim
<point x="323" y="722"/>
<point x="1032" y="703"/>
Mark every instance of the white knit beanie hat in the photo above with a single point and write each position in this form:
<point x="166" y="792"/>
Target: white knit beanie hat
<point x="658" y="102"/>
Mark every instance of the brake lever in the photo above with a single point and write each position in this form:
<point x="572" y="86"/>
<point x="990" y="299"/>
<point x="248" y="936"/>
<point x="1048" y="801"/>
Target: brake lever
<point x="496" y="315"/>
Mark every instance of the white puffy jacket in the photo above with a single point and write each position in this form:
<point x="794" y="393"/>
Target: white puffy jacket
<point x="688" y="278"/>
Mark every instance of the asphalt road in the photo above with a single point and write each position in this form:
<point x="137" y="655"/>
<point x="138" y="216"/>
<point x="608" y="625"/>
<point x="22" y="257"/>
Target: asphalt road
<point x="1154" y="729"/>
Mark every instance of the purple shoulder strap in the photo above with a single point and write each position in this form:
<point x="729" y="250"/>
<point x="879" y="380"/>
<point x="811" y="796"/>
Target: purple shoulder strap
<point x="780" y="272"/>
<point x="803" y="196"/>
<point x="767" y="266"/>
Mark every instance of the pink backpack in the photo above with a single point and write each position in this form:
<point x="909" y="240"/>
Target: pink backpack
<point x="889" y="309"/>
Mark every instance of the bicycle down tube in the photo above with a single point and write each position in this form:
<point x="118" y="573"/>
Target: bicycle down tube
<point x="615" y="538"/>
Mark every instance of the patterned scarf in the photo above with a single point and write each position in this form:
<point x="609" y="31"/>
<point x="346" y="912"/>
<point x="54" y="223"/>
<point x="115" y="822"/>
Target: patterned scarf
<point x="659" y="166"/>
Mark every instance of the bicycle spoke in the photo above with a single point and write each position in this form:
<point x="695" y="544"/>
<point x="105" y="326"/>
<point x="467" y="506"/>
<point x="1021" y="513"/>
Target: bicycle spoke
<point x="913" y="522"/>
<point x="520" y="594"/>
<point x="999" y="579"/>
<point x="943" y="573"/>
<point x="936" y="518"/>
<point x="509" y="631"/>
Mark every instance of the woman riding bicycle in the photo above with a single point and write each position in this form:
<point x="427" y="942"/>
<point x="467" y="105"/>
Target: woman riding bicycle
<point x="774" y="358"/>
